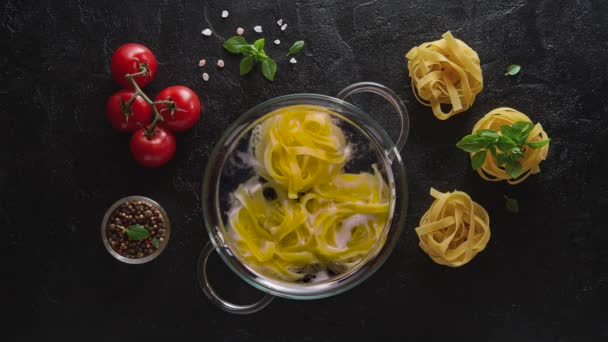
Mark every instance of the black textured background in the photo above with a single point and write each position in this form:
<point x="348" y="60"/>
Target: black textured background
<point x="543" y="276"/>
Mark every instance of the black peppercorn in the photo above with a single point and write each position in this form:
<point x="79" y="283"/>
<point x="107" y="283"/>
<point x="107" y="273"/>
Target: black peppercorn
<point x="307" y="278"/>
<point x="269" y="193"/>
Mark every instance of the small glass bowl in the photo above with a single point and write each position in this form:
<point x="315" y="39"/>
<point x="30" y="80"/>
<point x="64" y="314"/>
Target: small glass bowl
<point x="157" y="252"/>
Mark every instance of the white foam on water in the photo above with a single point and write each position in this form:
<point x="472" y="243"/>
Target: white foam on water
<point x="348" y="151"/>
<point x="344" y="234"/>
<point x="320" y="277"/>
<point x="253" y="186"/>
<point x="246" y="160"/>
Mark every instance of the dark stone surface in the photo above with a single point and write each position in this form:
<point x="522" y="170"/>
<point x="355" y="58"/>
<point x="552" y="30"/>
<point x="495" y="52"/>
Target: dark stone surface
<point x="543" y="277"/>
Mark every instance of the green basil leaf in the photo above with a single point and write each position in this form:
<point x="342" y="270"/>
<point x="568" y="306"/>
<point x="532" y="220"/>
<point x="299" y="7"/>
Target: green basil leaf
<point x="509" y="132"/>
<point x="259" y="44"/>
<point x="511" y="205"/>
<point x="486" y="142"/>
<point x="538" y="144"/>
<point x="269" y="68"/>
<point x="137" y="232"/>
<point x="505" y="143"/>
<point x="523" y="127"/>
<point x="155" y="242"/>
<point x="246" y="65"/>
<point x="470" y="143"/>
<point x="490" y="133"/>
<point x="501" y="159"/>
<point x="478" y="158"/>
<point x="513" y="169"/>
<point x="512" y="69"/>
<point x="260" y="56"/>
<point x="487" y="137"/>
<point x="235" y="44"/>
<point x="296" y="48"/>
<point x="248" y="50"/>
<point x="493" y="151"/>
<point x="517" y="153"/>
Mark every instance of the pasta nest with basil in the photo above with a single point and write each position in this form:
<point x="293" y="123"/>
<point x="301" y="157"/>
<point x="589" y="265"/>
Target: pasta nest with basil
<point x="532" y="158"/>
<point x="445" y="71"/>
<point x="454" y="229"/>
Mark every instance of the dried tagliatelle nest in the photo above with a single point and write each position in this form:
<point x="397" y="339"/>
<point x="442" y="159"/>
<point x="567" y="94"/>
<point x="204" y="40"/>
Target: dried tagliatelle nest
<point x="446" y="71"/>
<point x="454" y="229"/>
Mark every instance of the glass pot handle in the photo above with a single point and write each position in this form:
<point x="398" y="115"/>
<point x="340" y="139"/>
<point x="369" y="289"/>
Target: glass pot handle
<point x="390" y="96"/>
<point x="203" y="281"/>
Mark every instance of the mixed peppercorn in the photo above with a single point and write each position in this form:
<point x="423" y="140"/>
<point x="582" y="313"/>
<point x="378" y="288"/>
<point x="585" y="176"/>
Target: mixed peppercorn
<point x="136" y="229"/>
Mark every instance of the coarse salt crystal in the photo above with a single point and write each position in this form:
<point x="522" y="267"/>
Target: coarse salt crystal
<point x="220" y="63"/>
<point x="205" y="76"/>
<point x="240" y="31"/>
<point x="207" y="32"/>
<point x="202" y="62"/>
<point x="258" y="29"/>
<point x="224" y="14"/>
<point x="293" y="61"/>
<point x="280" y="22"/>
<point x="283" y="27"/>
<point x="277" y="42"/>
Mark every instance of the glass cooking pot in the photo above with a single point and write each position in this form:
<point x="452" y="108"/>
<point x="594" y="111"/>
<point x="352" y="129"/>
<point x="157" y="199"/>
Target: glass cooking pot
<point x="223" y="174"/>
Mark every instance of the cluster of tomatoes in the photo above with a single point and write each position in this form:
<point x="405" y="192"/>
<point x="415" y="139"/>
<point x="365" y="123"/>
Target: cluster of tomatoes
<point x="174" y="109"/>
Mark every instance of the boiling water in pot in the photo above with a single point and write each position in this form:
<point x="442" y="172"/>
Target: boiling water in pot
<point x="305" y="196"/>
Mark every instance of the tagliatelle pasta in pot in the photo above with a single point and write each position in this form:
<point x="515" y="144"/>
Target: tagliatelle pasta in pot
<point x="307" y="216"/>
<point x="299" y="146"/>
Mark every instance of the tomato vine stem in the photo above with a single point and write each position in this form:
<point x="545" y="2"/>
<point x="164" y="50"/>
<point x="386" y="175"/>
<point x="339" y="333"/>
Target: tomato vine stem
<point x="144" y="70"/>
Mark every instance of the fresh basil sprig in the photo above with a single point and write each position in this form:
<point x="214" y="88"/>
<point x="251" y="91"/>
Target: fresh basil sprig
<point x="253" y="53"/>
<point x="505" y="145"/>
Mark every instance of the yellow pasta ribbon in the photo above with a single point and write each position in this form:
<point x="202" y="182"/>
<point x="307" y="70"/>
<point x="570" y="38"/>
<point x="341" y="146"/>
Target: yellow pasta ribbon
<point x="299" y="146"/>
<point x="454" y="229"/>
<point x="532" y="157"/>
<point x="337" y="222"/>
<point x="446" y="71"/>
